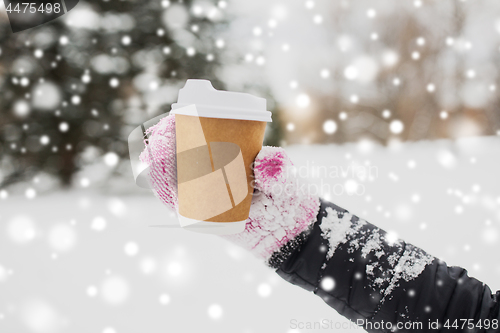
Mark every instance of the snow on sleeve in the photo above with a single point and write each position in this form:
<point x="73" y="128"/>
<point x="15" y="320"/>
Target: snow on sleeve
<point x="373" y="243"/>
<point x="403" y="260"/>
<point x="410" y="265"/>
<point x="336" y="227"/>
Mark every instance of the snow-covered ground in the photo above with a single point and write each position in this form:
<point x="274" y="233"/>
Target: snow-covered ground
<point x="84" y="261"/>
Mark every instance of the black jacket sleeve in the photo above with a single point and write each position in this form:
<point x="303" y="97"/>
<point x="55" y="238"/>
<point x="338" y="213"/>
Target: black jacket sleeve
<point x="385" y="284"/>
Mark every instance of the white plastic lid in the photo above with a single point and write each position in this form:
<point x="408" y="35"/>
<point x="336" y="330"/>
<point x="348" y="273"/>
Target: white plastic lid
<point x="212" y="103"/>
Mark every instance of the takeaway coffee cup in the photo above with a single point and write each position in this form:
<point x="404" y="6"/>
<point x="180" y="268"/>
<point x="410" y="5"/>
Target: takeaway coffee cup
<point x="218" y="136"/>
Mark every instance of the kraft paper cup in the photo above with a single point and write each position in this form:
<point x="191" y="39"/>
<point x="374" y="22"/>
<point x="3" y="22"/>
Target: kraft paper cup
<point x="218" y="136"/>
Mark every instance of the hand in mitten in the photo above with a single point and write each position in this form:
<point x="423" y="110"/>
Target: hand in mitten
<point x="280" y="215"/>
<point x="354" y="266"/>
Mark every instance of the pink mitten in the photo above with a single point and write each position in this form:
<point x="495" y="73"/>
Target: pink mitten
<point x="353" y="265"/>
<point x="281" y="215"/>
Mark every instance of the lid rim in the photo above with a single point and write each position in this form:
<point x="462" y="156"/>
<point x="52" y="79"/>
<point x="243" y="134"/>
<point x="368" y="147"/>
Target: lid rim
<point x="209" y="111"/>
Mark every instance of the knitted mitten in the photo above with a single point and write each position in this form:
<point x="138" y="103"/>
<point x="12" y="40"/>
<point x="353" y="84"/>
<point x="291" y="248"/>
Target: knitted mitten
<point x="281" y="214"/>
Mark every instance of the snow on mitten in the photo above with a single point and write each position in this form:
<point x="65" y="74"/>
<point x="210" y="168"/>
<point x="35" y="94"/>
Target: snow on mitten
<point x="282" y="212"/>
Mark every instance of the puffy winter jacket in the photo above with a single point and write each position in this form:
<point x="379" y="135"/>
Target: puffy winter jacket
<point x="381" y="283"/>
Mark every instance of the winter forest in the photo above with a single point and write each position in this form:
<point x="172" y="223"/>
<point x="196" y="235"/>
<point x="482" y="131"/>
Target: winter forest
<point x="391" y="107"/>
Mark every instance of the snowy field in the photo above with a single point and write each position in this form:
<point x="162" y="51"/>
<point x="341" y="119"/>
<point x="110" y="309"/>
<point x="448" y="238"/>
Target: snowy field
<point x="83" y="261"/>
